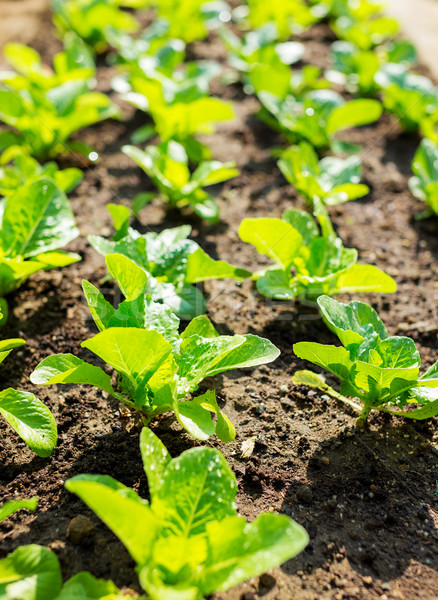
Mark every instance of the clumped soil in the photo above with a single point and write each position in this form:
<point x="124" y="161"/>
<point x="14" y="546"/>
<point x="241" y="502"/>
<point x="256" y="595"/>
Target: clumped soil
<point x="367" y="498"/>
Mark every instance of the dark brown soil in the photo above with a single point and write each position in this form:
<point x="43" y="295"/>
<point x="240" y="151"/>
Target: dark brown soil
<point x="367" y="498"/>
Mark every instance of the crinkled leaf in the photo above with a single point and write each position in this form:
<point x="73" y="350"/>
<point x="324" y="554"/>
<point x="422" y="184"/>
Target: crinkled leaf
<point x="333" y="358"/>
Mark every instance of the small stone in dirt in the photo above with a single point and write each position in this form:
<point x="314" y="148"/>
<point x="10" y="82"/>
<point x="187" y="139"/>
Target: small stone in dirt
<point x="304" y="494"/>
<point x="368" y="580"/>
<point x="325" y="461"/>
<point x="79" y="528"/>
<point x="267" y="581"/>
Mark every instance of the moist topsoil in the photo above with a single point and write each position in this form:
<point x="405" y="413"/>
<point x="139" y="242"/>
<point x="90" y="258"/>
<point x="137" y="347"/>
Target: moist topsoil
<point x="368" y="498"/>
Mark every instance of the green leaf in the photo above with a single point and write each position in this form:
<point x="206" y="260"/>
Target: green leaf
<point x="31" y="419"/>
<point x="30" y="573"/>
<point x="12" y="506"/>
<point x="6" y="347"/>
<point x="273" y="237"/>
<point x="67" y="368"/>
<point x="240" y="550"/>
<point x="317" y="382"/>
<point x="353" y="322"/>
<point x="252" y="352"/>
<point x="225" y="430"/>
<point x="365" y="278"/>
<point x="333" y="358"/>
<point x="101" y="310"/>
<point x="201" y="267"/>
<point x="303" y="223"/>
<point x="155" y="459"/>
<point x="130" y="278"/>
<point x="121" y="509"/>
<point x="352" y="114"/>
<point x="379" y="384"/>
<point x="37" y="218"/>
<point x="136" y="353"/>
<point x="195" y="419"/>
<point x="197" y="484"/>
<point x="275" y="283"/>
<point x="201" y="326"/>
<point x="85" y="586"/>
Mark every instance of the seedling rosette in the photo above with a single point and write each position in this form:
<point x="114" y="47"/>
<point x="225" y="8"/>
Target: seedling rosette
<point x="188" y="541"/>
<point x="379" y="370"/>
<point x="156" y="366"/>
<point x="308" y="263"/>
<point x="172" y="263"/>
<point x="44" y="106"/>
<point x="424" y="183"/>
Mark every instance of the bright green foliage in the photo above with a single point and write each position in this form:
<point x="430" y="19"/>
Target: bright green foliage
<point x="167" y="165"/>
<point x="331" y="180"/>
<point x="293" y="16"/>
<point x="189" y="20"/>
<point x="307" y="263"/>
<point x="367" y="33"/>
<point x="90" y="20"/>
<point x="27" y="415"/>
<point x="171" y="262"/>
<point x="12" y="506"/>
<point x="188" y="542"/>
<point x="357" y="69"/>
<point x="259" y="47"/>
<point x="424" y="183"/>
<point x="26" y="169"/>
<point x="151" y="50"/>
<point x="316" y="116"/>
<point x="381" y="371"/>
<point x="47" y="106"/>
<point x="157" y="367"/>
<point x="411" y="98"/>
<point x="37" y="221"/>
<point x="33" y="573"/>
<point x="179" y="103"/>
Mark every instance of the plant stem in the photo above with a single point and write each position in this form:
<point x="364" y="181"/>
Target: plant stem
<point x="363" y="417"/>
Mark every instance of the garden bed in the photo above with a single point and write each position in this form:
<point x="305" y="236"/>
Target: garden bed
<point x="368" y="498"/>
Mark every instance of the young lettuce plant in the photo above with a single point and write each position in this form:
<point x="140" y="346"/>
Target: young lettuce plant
<point x="331" y="181"/>
<point x="28" y="416"/>
<point x="294" y="16"/>
<point x="315" y="116"/>
<point x="47" y="106"/>
<point x="189" y="541"/>
<point x="156" y="366"/>
<point x="382" y="371"/>
<point x="90" y="20"/>
<point x="167" y="165"/>
<point x="357" y="69"/>
<point x="307" y="263"/>
<point x="34" y="572"/>
<point x="172" y="263"/>
<point x="25" y="169"/>
<point x="178" y="104"/>
<point x="410" y="97"/>
<point x="424" y="183"/>
<point x="37" y="220"/>
<point x="365" y="33"/>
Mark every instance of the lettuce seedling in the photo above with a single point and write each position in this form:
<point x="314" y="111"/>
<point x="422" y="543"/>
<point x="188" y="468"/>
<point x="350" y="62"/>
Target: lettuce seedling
<point x="34" y="572"/>
<point x="90" y="20"/>
<point x="157" y="367"/>
<point x="331" y="181"/>
<point x="188" y="542"/>
<point x="294" y="16"/>
<point x="12" y="506"/>
<point x="167" y="165"/>
<point x="171" y="262"/>
<point x="259" y="47"/>
<point x="381" y="371"/>
<point x="307" y="263"/>
<point x="179" y="104"/>
<point x="28" y="416"/>
<point x="316" y="116"/>
<point x="357" y="69"/>
<point x="37" y="221"/>
<point x="411" y="98"/>
<point x="365" y="33"/>
<point x="47" y="106"/>
<point x="25" y="169"/>
<point x="424" y="183"/>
